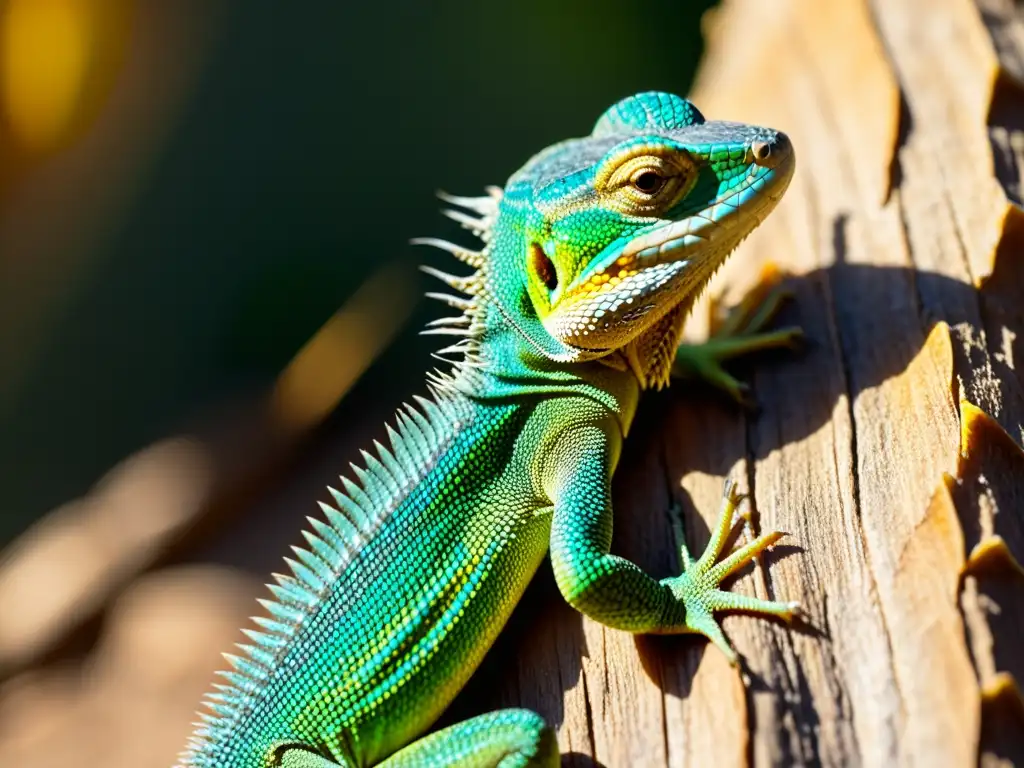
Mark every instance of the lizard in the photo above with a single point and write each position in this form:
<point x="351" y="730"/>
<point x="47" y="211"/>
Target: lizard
<point x="593" y="255"/>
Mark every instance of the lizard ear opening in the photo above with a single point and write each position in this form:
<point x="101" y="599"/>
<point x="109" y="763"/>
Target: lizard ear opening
<point x="543" y="267"/>
<point x="651" y="111"/>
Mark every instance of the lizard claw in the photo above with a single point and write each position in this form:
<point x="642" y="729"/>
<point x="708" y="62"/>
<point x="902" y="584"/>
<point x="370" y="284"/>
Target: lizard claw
<point x="740" y="334"/>
<point x="698" y="589"/>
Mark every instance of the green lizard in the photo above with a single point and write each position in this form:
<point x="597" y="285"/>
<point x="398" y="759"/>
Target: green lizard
<point x="594" y="254"/>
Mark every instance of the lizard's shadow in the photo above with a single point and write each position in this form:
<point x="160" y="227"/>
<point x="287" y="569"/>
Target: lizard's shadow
<point x="866" y="324"/>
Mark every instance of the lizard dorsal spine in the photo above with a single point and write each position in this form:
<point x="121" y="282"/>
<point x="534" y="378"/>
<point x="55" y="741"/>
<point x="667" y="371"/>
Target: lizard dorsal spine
<point x="422" y="433"/>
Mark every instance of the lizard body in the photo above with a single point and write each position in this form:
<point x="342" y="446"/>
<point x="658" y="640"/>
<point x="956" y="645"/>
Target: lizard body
<point x="594" y="253"/>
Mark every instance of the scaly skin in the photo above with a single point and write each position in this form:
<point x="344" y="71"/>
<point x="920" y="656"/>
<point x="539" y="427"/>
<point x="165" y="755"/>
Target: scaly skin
<point x="594" y="253"/>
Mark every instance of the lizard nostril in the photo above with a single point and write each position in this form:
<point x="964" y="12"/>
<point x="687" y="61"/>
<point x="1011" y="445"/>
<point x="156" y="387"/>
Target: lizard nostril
<point x="772" y="152"/>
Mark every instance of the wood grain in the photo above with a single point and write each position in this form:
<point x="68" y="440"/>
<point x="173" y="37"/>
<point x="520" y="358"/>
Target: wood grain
<point x="889" y="450"/>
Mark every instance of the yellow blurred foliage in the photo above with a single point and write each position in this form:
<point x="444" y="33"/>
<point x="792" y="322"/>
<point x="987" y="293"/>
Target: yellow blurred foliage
<point x="56" y="62"/>
<point x="336" y="356"/>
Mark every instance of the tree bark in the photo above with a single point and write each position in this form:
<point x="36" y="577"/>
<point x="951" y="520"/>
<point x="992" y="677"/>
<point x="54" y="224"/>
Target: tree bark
<point x="889" y="450"/>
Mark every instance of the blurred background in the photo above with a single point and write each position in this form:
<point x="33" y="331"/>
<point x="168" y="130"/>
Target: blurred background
<point x="208" y="302"/>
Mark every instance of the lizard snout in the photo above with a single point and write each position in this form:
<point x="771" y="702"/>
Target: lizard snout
<point x="773" y="152"/>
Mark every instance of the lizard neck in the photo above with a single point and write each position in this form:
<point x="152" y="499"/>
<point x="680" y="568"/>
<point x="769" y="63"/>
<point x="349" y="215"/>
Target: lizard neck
<point x="509" y="367"/>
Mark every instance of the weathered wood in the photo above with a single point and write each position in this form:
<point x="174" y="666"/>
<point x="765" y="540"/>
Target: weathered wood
<point x="889" y="450"/>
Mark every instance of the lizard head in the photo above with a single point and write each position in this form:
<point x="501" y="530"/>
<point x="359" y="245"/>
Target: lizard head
<point x="619" y="228"/>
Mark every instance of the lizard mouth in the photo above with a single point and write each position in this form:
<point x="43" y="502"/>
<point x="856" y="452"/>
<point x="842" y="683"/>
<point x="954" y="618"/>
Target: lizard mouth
<point x="651" y="273"/>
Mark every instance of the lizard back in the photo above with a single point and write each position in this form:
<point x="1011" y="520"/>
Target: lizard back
<point x="394" y="576"/>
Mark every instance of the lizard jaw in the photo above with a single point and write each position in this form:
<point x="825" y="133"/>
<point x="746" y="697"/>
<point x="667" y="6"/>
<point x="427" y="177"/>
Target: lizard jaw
<point x="654" y="271"/>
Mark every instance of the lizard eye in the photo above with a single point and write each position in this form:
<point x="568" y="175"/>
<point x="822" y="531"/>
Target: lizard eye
<point x="647" y="181"/>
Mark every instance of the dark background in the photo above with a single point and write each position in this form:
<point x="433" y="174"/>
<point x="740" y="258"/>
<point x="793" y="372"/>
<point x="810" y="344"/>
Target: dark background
<point x="234" y="170"/>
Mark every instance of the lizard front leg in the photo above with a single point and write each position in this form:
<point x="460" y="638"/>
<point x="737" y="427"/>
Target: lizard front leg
<point x="615" y="591"/>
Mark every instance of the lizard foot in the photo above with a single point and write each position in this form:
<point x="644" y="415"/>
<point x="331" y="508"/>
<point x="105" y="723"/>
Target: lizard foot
<point x="697" y="587"/>
<point x="741" y="333"/>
